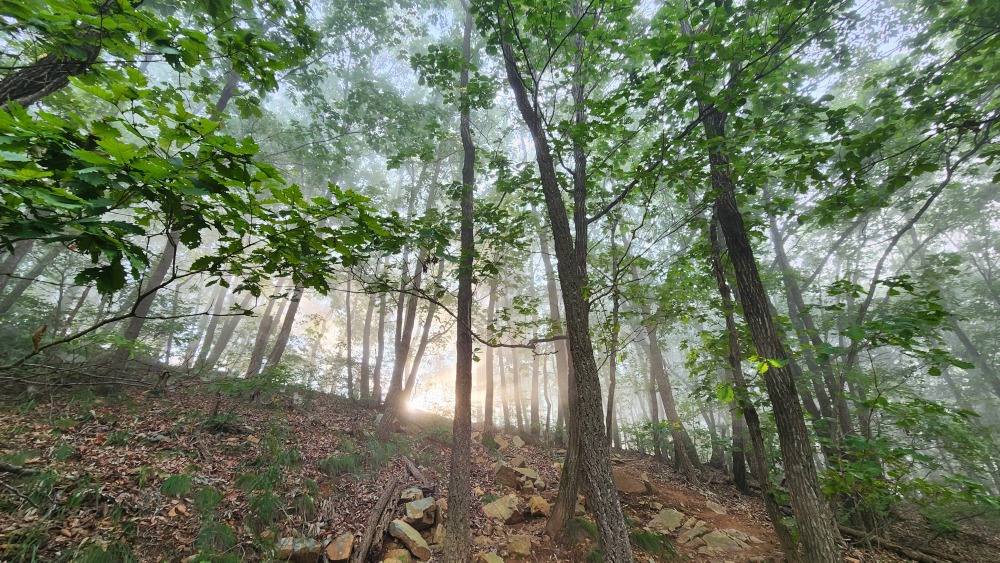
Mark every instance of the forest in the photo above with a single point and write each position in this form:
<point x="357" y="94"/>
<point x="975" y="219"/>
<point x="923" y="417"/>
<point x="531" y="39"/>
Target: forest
<point x="266" y="266"/>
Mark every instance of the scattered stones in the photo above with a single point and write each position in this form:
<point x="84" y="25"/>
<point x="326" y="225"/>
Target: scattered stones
<point x="519" y="546"/>
<point x="715" y="507"/>
<point x="340" y="548"/>
<point x="502" y="442"/>
<point x="690" y="522"/>
<point x="299" y="550"/>
<point x="723" y="542"/>
<point x="518" y="478"/>
<point x="539" y="507"/>
<point x="487" y="558"/>
<point x="410" y="538"/>
<point x="625" y="483"/>
<point x="411" y="494"/>
<point x="518" y="462"/>
<point x="517" y="442"/>
<point x="691" y="534"/>
<point x="506" y="509"/>
<point x="667" y="520"/>
<point x="400" y="555"/>
<point x="421" y="514"/>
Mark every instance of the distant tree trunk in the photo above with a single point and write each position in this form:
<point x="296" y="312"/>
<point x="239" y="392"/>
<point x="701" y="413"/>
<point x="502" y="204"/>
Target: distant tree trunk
<point x="366" y="349"/>
<point x="458" y="534"/>
<point x="534" y="422"/>
<point x="402" y="351"/>
<point x="13" y="260"/>
<point x="425" y="334"/>
<point x="504" y="392"/>
<point x="742" y="398"/>
<point x="561" y="350"/>
<point x="377" y="373"/>
<point x="615" y="329"/>
<point x="987" y="370"/>
<point x="281" y="342"/>
<point x="651" y="398"/>
<point x="548" y="399"/>
<point x="263" y="335"/>
<point x="226" y="335"/>
<point x="24" y="283"/>
<point x="68" y="322"/>
<point x="209" y="335"/>
<point x="488" y="399"/>
<point x="350" y="342"/>
<point x="146" y="296"/>
<point x="817" y="528"/>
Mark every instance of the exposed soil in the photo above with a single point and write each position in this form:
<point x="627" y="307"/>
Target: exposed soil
<point x="108" y="458"/>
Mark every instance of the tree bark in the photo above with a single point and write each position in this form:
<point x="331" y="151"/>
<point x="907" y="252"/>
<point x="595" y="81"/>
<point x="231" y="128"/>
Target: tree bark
<point x="226" y="335"/>
<point x="24" y="283"/>
<point x="366" y="348"/>
<point x="281" y="341"/>
<point x="209" y="335"/>
<point x="425" y="334"/>
<point x="488" y="397"/>
<point x="13" y="260"/>
<point x="458" y="534"/>
<point x="587" y="421"/>
<point x="814" y="520"/>
<point x="380" y="353"/>
<point x="562" y="355"/>
<point x="263" y="334"/>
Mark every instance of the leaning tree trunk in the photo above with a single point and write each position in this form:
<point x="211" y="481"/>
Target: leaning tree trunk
<point x="209" y="336"/>
<point x="588" y="421"/>
<point x="263" y="335"/>
<point x="817" y="528"/>
<point x="281" y="342"/>
<point x="226" y="336"/>
<point x="24" y="283"/>
<point x="13" y="260"/>
<point x="425" y="335"/>
<point x="145" y="302"/>
<point x="458" y="534"/>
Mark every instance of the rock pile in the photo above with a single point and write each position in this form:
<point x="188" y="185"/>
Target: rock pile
<point x="699" y="534"/>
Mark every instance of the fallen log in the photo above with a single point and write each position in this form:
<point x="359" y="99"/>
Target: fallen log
<point x="16" y="470"/>
<point x="921" y="555"/>
<point x="378" y="522"/>
<point x="416" y="473"/>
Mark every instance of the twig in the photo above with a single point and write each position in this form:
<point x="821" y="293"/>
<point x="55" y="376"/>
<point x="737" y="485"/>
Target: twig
<point x="19" y="494"/>
<point x="6" y="468"/>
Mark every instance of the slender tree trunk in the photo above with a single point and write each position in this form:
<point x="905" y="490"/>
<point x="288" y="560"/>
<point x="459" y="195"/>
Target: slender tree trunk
<point x="488" y="398"/>
<point x="817" y="528"/>
<point x="226" y="335"/>
<point x="145" y="303"/>
<point x="535" y="423"/>
<point x="610" y="423"/>
<point x="209" y="334"/>
<point x="402" y="349"/>
<point x="380" y="353"/>
<point x="658" y="369"/>
<point x="425" y="334"/>
<point x="281" y="342"/>
<point x="350" y="341"/>
<point x="13" y="260"/>
<point x="366" y="348"/>
<point x="587" y="421"/>
<point x="548" y="399"/>
<point x="458" y="534"/>
<point x="561" y="350"/>
<point x="263" y="334"/>
<point x="66" y="324"/>
<point x="504" y="393"/>
<point x="24" y="283"/>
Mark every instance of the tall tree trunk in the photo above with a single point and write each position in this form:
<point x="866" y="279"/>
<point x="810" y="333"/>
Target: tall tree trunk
<point x="458" y="534"/>
<point x="651" y="399"/>
<point x="147" y="294"/>
<point x="742" y="398"/>
<point x="281" y="342"/>
<point x="610" y="423"/>
<point x="488" y="397"/>
<point x="209" y="334"/>
<point x="226" y="335"/>
<point x="366" y="349"/>
<point x="350" y="341"/>
<point x="535" y="422"/>
<point x="504" y="392"/>
<point x="817" y="528"/>
<point x="263" y="335"/>
<point x="587" y="420"/>
<point x="380" y="353"/>
<point x="402" y="351"/>
<point x="24" y="283"/>
<point x="561" y="350"/>
<point x="68" y="322"/>
<point x="425" y="334"/>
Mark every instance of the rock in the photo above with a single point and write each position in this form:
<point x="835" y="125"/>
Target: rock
<point x="690" y="522"/>
<point x="340" y="548"/>
<point x="517" y="442"/>
<point x="442" y="507"/>
<point x="539" y="507"/>
<point x="502" y="442"/>
<point x="410" y="538"/>
<point x="755" y="539"/>
<point x="667" y="520"/>
<point x="625" y="483"/>
<point x="421" y="514"/>
<point x="411" y="494"/>
<point x="722" y="541"/>
<point x="487" y="558"/>
<point x="697" y="542"/>
<point x="712" y="552"/>
<point x="527" y="473"/>
<point x="400" y="555"/>
<point x="478" y="491"/>
<point x="437" y="538"/>
<point x="657" y="505"/>
<point x="540" y="485"/>
<point x="691" y="534"/>
<point x="506" y="509"/>
<point x="507" y="477"/>
<point x="299" y="550"/>
<point x="518" y="462"/>
<point x="715" y="507"/>
<point x="737" y="534"/>
<point x="519" y="546"/>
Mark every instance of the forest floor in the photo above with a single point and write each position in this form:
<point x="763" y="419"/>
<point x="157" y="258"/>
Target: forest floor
<point x="109" y="475"/>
